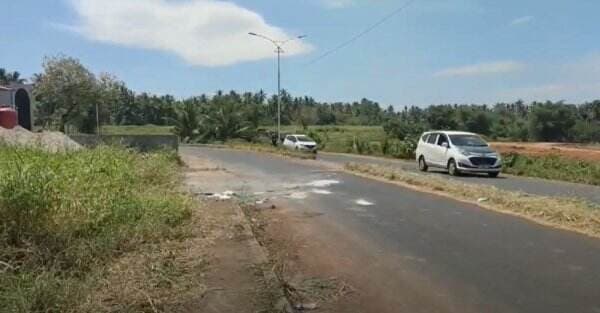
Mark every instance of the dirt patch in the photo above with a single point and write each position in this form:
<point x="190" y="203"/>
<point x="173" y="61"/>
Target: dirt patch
<point x="213" y="268"/>
<point x="308" y="285"/>
<point x="566" y="150"/>
<point x="324" y="266"/>
<point x="215" y="265"/>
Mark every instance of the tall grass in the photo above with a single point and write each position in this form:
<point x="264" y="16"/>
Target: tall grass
<point x="553" y="167"/>
<point x="64" y="216"/>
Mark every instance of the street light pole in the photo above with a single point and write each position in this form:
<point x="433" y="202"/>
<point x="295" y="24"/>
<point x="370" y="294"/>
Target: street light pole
<point x="279" y="50"/>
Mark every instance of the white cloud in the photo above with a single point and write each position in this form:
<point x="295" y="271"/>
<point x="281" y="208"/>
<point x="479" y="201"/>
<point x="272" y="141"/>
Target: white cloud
<point x="500" y="67"/>
<point x="338" y="4"/>
<point x="202" y="32"/>
<point x="522" y="20"/>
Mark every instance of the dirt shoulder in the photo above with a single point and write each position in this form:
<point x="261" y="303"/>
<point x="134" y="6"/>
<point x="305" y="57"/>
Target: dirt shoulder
<point x="216" y="266"/>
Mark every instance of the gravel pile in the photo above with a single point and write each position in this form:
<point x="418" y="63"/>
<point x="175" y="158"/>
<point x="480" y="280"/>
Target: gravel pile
<point x="50" y="141"/>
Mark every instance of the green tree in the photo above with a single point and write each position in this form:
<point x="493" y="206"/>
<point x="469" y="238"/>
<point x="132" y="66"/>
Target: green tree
<point x="187" y="123"/>
<point x="441" y="117"/>
<point x="66" y="92"/>
<point x="551" y="121"/>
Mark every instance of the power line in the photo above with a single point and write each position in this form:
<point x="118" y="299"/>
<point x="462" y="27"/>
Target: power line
<point x="361" y="34"/>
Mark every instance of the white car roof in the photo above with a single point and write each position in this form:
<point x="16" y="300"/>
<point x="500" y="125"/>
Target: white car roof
<point x="451" y="132"/>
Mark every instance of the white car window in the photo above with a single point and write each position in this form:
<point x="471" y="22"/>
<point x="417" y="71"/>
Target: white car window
<point x="304" y="139"/>
<point x="442" y="139"/>
<point x="432" y="138"/>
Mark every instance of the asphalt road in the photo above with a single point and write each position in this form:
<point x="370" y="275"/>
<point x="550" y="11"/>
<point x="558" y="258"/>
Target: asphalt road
<point x="534" y="186"/>
<point x="479" y="260"/>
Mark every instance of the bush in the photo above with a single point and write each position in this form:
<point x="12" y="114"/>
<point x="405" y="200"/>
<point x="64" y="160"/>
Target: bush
<point x="63" y="216"/>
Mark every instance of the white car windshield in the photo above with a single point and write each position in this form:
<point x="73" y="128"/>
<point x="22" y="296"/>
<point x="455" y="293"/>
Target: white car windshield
<point x="304" y="139"/>
<point x="468" y="141"/>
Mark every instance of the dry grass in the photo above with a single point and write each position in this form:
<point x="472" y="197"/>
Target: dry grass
<point x="565" y="213"/>
<point x="156" y="277"/>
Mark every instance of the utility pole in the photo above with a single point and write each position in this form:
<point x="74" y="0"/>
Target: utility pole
<point x="97" y="121"/>
<point x="279" y="50"/>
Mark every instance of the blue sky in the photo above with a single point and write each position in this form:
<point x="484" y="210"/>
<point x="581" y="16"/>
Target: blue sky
<point x="435" y="51"/>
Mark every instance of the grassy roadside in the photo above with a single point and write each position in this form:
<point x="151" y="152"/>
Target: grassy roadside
<point x="65" y="217"/>
<point x="571" y="214"/>
<point x="553" y="167"/>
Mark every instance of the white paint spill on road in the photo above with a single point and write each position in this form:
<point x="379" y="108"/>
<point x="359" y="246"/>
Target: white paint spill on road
<point x="323" y="183"/>
<point x="297" y="195"/>
<point x="226" y="195"/>
<point x="321" y="191"/>
<point x="363" y="202"/>
<point x="220" y="196"/>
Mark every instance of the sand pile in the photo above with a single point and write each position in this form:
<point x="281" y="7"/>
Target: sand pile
<point x="50" y="141"/>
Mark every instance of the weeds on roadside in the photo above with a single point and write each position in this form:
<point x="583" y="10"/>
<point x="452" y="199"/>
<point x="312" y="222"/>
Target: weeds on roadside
<point x="63" y="216"/>
<point x="553" y="167"/>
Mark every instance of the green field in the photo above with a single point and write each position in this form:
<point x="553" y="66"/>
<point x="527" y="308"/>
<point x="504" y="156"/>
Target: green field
<point x="137" y="130"/>
<point x="367" y="140"/>
<point x="343" y="139"/>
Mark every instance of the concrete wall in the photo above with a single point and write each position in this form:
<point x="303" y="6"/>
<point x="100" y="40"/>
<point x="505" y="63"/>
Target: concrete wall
<point x="140" y="142"/>
<point x="6" y="97"/>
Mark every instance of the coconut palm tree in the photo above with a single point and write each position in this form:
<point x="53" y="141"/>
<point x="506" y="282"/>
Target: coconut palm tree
<point x="6" y="78"/>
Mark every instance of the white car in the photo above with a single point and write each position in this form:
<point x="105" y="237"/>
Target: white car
<point x="458" y="152"/>
<point x="300" y="143"/>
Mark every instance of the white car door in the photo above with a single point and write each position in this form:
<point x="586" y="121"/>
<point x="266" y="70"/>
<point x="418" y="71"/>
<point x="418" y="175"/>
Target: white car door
<point x="289" y="142"/>
<point x="430" y="149"/>
<point x="441" y="148"/>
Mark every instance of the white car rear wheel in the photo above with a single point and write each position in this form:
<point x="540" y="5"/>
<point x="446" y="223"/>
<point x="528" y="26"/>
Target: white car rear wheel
<point x="422" y="164"/>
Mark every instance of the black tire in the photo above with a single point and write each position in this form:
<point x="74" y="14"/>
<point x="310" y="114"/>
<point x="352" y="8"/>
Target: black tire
<point x="452" y="170"/>
<point x="493" y="174"/>
<point x="422" y="164"/>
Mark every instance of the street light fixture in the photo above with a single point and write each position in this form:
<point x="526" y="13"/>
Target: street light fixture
<point x="279" y="50"/>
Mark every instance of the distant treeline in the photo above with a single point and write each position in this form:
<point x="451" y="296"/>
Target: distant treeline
<point x="67" y="93"/>
<point x="537" y="121"/>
